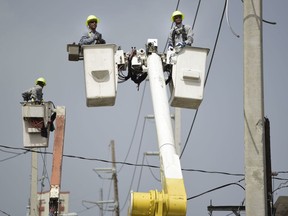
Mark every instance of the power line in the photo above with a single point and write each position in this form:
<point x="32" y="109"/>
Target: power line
<point x="217" y="188"/>
<point x="196" y="14"/>
<point x="136" y="124"/>
<point x="134" y="164"/>
<point x="134" y="171"/>
<point x="208" y="72"/>
<point x="157" y="179"/>
<point x="8" y="158"/>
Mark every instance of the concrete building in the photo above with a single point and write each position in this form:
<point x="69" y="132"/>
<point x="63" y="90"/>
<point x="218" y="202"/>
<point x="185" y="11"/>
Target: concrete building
<point x="281" y="206"/>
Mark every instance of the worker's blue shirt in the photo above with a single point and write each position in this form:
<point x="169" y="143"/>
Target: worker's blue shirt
<point x="176" y="35"/>
<point x="91" y="37"/>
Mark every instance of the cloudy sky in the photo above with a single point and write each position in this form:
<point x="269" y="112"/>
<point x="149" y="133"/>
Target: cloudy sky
<point x="34" y="35"/>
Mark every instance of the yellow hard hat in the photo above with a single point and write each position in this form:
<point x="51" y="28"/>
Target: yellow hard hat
<point x="176" y="13"/>
<point x="41" y="80"/>
<point x="90" y="18"/>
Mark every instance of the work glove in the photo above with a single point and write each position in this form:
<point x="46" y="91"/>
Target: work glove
<point x="181" y="44"/>
<point x="96" y="37"/>
<point x="170" y="48"/>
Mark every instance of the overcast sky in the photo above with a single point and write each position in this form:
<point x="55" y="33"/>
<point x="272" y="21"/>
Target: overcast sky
<point x="34" y="35"/>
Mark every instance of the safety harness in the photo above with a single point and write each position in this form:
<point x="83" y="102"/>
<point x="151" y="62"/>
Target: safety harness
<point x="179" y="31"/>
<point x="99" y="40"/>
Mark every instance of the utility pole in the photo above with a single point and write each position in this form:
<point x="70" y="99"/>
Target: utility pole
<point x="115" y="181"/>
<point x="177" y="128"/>
<point x="254" y="133"/>
<point x="114" y="176"/>
<point x="34" y="184"/>
<point x="101" y="205"/>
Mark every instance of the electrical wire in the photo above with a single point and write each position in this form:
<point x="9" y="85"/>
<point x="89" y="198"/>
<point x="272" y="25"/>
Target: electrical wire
<point x="5" y="213"/>
<point x="10" y="152"/>
<point x="281" y="185"/>
<point x="44" y="171"/>
<point x="196" y="14"/>
<point x="217" y="188"/>
<point x="136" y="125"/>
<point x="8" y="158"/>
<point x="137" y="165"/>
<point x="140" y="175"/>
<point x="171" y="27"/>
<point x="208" y="72"/>
<point x="86" y="208"/>
<point x="134" y="171"/>
<point x="227" y="19"/>
<point x="154" y="176"/>
<point x="263" y="20"/>
<point x="213" y="172"/>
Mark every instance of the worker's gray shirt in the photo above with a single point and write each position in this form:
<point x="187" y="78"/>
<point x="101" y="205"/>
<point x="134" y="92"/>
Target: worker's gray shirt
<point x="34" y="93"/>
<point x="178" y="35"/>
<point x="90" y="37"/>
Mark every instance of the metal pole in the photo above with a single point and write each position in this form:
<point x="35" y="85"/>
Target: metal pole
<point x="255" y="170"/>
<point x="101" y="205"/>
<point x="114" y="176"/>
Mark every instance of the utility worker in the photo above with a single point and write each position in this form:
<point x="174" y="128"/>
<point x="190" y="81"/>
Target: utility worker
<point x="180" y="35"/>
<point x="35" y="94"/>
<point x="92" y="36"/>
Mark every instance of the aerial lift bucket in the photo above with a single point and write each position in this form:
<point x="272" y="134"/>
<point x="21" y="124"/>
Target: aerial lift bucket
<point x="100" y="74"/>
<point x="36" y="120"/>
<point x="188" y="74"/>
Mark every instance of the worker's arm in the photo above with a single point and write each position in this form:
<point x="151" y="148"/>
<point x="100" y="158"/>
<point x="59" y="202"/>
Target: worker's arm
<point x="86" y="39"/>
<point x="170" y="41"/>
<point x="190" y="34"/>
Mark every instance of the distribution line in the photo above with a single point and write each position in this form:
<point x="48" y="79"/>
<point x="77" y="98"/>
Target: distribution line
<point x="133" y="176"/>
<point x="136" y="124"/>
<point x="208" y="72"/>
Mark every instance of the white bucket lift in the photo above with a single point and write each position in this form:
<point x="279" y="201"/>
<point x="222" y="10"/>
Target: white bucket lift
<point x="188" y="76"/>
<point x="100" y="74"/>
<point x="36" y="124"/>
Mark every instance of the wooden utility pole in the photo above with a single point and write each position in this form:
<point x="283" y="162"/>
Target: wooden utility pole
<point x="254" y="133"/>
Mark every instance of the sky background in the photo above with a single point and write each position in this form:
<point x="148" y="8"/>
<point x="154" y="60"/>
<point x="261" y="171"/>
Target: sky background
<point x="34" y="35"/>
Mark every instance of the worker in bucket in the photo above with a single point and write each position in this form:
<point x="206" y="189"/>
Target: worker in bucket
<point x="180" y="35"/>
<point x="35" y="93"/>
<point x="92" y="36"/>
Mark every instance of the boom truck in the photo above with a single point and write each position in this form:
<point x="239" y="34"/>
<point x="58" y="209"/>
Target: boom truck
<point x="103" y="69"/>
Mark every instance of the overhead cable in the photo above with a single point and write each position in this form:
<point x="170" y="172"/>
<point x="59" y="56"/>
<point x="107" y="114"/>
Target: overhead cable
<point x="217" y="188"/>
<point x="134" y="171"/>
<point x="227" y="19"/>
<point x="136" y="125"/>
<point x="208" y="72"/>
